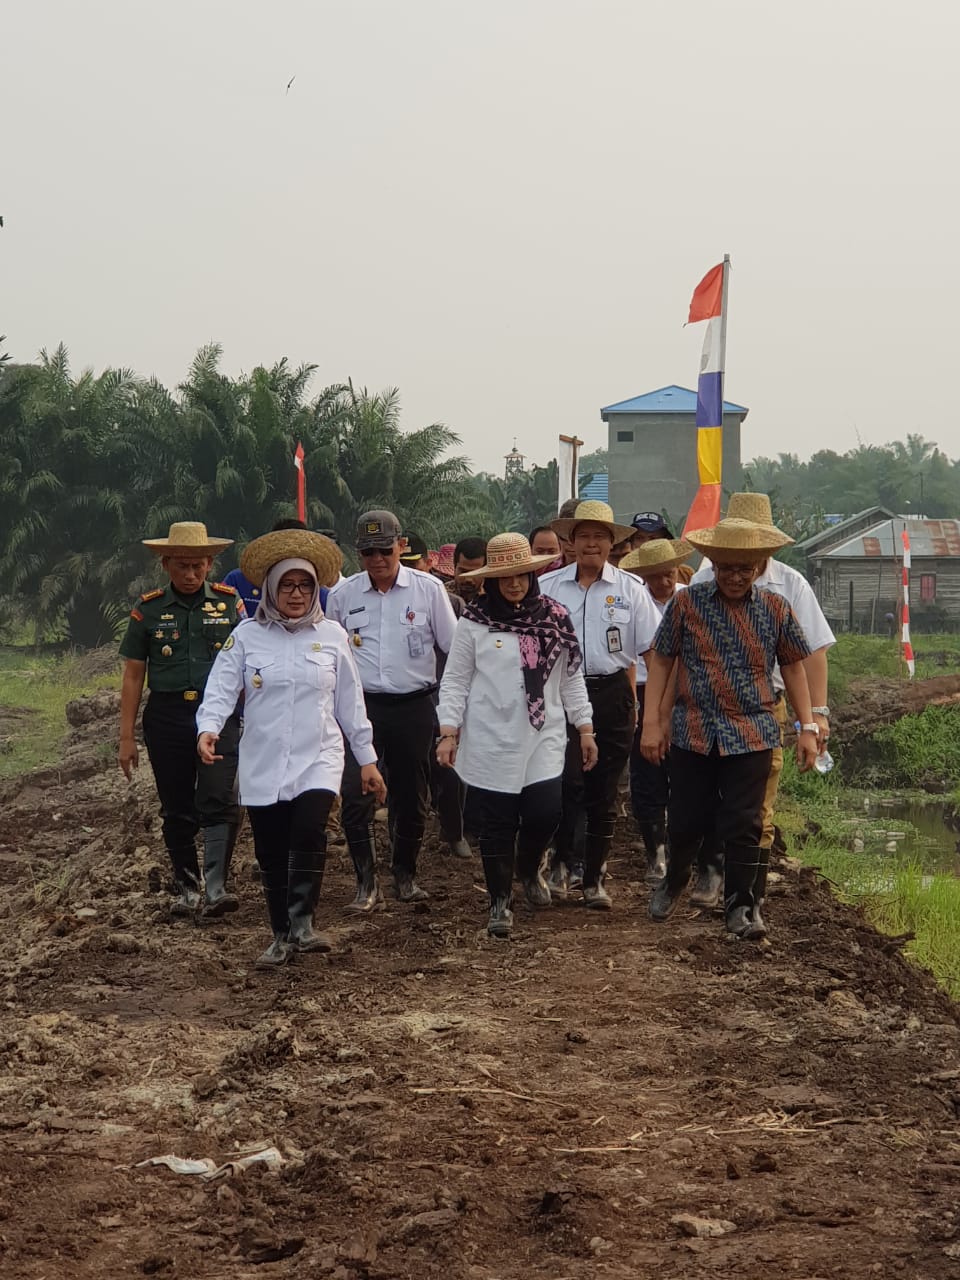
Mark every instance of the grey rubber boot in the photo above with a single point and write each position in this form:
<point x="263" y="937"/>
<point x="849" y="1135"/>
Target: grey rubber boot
<point x="596" y="849"/>
<point x="186" y="874"/>
<point x="741" y="870"/>
<point x="304" y="880"/>
<point x="709" y="883"/>
<point x="530" y="865"/>
<point x="405" y="851"/>
<point x="218" y="845"/>
<point x="363" y="853"/>
<point x="498" y="873"/>
<point x="274" y="881"/>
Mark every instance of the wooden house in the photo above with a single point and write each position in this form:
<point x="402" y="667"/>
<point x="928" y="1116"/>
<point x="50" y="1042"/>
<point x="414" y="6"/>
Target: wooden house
<point x="856" y="570"/>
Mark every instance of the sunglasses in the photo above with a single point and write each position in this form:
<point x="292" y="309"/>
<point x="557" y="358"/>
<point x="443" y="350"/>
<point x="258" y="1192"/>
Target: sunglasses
<point x="367" y="552"/>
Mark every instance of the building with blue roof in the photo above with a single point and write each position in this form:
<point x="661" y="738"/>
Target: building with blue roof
<point x="652" y="448"/>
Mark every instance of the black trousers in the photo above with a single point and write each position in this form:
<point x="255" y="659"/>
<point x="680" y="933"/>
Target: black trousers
<point x="296" y="825"/>
<point x="649" y="783"/>
<point x="192" y="795"/>
<point x="713" y="797"/>
<point x="403" y="735"/>
<point x="525" y="821"/>
<point x="614" y="722"/>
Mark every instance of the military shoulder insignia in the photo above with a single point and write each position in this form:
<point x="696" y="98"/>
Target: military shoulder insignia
<point x="223" y="588"/>
<point x="136" y="615"/>
<point x="228" y="643"/>
<point x="152" y="595"/>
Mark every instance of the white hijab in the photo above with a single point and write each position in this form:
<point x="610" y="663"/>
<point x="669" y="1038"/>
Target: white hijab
<point x="268" y="610"/>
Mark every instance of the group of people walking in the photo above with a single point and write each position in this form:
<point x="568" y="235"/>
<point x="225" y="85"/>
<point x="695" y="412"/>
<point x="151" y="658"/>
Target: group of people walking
<point x="530" y="682"/>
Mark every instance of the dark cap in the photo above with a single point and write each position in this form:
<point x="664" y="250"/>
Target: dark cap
<point x="378" y="529"/>
<point x="650" y="522"/>
<point x="416" y="549"/>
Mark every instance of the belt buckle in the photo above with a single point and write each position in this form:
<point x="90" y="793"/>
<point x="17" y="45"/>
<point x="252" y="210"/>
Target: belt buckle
<point x="190" y="695"/>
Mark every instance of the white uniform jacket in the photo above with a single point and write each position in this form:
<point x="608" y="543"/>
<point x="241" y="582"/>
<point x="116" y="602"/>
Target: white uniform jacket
<point x="300" y="689"/>
<point x="614" y="617"/>
<point x="482" y="694"/>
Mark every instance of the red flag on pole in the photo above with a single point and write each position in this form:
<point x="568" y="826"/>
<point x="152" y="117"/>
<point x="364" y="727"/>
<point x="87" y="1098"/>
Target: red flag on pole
<point x="301" y="484"/>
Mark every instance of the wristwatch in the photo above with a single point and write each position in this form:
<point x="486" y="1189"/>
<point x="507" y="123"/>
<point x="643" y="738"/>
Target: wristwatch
<point x="821" y="711"/>
<point x="810" y="728"/>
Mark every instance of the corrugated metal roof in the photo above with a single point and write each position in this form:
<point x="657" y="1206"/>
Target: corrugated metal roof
<point x="597" y="489"/>
<point x="938" y="539"/>
<point x="834" y="532"/>
<point x="672" y="399"/>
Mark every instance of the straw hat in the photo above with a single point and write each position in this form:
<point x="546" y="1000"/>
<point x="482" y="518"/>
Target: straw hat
<point x="599" y="513"/>
<point x="732" y="541"/>
<point x="188" y="537"/>
<point x="507" y="554"/>
<point x="750" y="506"/>
<point x="656" y="556"/>
<point x="263" y="553"/>
<point x="445" y="566"/>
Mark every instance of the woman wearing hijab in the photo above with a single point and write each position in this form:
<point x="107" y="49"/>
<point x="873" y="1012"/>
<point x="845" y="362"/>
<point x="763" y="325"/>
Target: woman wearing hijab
<point x="301" y="689"/>
<point x="511" y="682"/>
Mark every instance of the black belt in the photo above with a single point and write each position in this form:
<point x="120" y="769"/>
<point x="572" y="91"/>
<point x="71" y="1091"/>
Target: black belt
<point x="611" y="675"/>
<point x="181" y="695"/>
<point x="387" y="698"/>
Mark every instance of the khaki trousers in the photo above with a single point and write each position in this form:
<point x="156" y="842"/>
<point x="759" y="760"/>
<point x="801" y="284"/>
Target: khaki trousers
<point x="773" y="781"/>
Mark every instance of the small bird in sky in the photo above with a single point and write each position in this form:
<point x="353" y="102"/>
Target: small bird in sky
<point x="290" y="82"/>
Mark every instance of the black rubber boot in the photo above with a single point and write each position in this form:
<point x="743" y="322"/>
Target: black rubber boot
<point x="760" y="890"/>
<point x="304" y="878"/>
<point x="218" y="845"/>
<point x="404" y="868"/>
<point x="531" y="861"/>
<point x="666" y="896"/>
<point x="558" y="877"/>
<point x="363" y="852"/>
<point x="654" y="837"/>
<point x="274" y="881"/>
<point x="741" y="869"/>
<point x="186" y="874"/>
<point x="498" y="873"/>
<point x="709" y="883"/>
<point x="459" y="848"/>
<point x="596" y="849"/>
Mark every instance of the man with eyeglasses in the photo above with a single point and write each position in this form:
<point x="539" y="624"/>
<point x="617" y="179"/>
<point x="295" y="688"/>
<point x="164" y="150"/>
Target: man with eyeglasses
<point x="395" y="618"/>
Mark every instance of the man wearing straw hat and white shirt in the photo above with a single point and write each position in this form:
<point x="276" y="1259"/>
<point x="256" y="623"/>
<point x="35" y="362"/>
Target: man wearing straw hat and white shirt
<point x="173" y="636"/>
<point x="724" y="638"/>
<point x="656" y="563"/>
<point x="796" y="590"/>
<point x="615" y="622"/>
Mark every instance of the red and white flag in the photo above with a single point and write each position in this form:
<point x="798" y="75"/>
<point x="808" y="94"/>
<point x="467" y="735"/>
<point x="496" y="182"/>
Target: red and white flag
<point x="301" y="484"/>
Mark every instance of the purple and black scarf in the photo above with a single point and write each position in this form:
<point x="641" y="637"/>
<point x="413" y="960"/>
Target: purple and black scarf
<point x="544" y="630"/>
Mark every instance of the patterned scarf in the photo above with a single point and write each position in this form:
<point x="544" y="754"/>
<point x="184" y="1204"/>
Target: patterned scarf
<point x="544" y="630"/>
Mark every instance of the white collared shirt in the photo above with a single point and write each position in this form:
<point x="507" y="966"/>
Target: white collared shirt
<point x="482" y="694"/>
<point x="614" y="617"/>
<point x="785" y="581"/>
<point x="393" y="633"/>
<point x="301" y="689"/>
<point x="641" y="665"/>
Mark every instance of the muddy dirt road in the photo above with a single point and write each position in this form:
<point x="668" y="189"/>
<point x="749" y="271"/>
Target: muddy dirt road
<point x="601" y="1097"/>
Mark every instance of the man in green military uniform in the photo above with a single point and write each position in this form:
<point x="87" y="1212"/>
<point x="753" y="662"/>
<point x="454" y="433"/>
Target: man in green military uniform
<point x="173" y="636"/>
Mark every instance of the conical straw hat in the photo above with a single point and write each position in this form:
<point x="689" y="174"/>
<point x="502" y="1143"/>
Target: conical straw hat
<point x="507" y="554"/>
<point x="750" y="506"/>
<point x="656" y="556"/>
<point x="733" y="541"/>
<point x="263" y="553"/>
<point x="599" y="513"/>
<point x="187" y="537"/>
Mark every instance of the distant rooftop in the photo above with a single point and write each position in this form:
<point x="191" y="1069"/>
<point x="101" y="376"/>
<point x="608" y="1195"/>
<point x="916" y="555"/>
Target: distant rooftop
<point x="938" y="539"/>
<point x="672" y="399"/>
<point x="596" y="489"/>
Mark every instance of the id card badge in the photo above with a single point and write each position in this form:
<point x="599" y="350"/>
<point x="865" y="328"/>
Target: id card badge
<point x="614" y="643"/>
<point x="415" y="644"/>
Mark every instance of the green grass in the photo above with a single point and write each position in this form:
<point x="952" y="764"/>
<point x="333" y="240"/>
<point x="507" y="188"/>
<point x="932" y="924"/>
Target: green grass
<point x="919" y="751"/>
<point x="41" y="687"/>
<point x="855" y="656"/>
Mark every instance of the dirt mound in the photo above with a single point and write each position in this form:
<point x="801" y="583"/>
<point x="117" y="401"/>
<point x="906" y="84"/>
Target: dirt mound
<point x="871" y="703"/>
<point x="600" y="1097"/>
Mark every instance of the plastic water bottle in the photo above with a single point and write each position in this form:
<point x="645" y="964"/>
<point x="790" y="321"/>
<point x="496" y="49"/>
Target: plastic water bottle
<point x="824" y="760"/>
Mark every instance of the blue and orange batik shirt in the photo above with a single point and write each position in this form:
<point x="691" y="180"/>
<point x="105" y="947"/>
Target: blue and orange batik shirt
<point x="726" y="652"/>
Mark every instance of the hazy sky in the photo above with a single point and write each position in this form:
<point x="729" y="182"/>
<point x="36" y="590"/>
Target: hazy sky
<point x="500" y="207"/>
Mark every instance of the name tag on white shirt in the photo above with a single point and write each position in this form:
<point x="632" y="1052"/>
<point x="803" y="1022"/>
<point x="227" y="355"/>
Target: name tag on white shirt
<point x="356" y="618"/>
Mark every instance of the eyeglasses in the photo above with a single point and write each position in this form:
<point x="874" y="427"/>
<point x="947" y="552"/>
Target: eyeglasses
<point x="736" y="570"/>
<point x="300" y="588"/>
<point x="368" y="552"/>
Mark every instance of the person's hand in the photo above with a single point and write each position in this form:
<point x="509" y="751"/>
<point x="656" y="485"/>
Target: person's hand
<point x="447" y="746"/>
<point x="823" y="729"/>
<point x="372" y="783"/>
<point x="653" y="742"/>
<point x="206" y="747"/>
<point x="128" y="757"/>
<point x="589" y="755"/>
<point x="808" y="748"/>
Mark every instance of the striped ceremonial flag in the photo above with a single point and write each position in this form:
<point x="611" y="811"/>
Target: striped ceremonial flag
<point x="301" y="483"/>
<point x="709" y="302"/>
<point x="905" y="618"/>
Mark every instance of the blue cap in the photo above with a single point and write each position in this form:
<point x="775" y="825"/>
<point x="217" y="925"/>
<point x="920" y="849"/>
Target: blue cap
<point x="650" y="522"/>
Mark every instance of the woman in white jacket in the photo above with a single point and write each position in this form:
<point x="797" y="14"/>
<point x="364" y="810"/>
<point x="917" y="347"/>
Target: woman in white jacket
<point x="511" y="682"/>
<point x="301" y="688"/>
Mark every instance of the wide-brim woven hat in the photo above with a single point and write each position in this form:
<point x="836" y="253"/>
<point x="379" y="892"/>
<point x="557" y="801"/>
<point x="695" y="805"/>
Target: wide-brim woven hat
<point x="750" y="506"/>
<point x="187" y="537"/>
<point x="507" y="554"/>
<point x="731" y="541"/>
<point x="445" y="566"/>
<point x="598" y="513"/>
<point x="263" y="553"/>
<point x="656" y="556"/>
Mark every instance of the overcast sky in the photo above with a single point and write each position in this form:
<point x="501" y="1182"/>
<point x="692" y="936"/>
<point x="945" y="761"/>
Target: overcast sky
<point x="500" y="207"/>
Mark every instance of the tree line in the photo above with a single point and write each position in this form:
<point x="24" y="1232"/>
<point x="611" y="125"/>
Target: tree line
<point x="90" y="464"/>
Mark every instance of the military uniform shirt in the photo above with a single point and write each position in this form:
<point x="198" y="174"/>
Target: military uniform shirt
<point x="178" y="640"/>
<point x="393" y="633"/>
<point x="614" y="618"/>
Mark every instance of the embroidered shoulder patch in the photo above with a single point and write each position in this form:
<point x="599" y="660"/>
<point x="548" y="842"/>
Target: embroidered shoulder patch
<point x="227" y="644"/>
<point x="223" y="588"/>
<point x="136" y="615"/>
<point x="152" y="595"/>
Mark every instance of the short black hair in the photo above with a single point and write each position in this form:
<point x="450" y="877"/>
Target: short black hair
<point x="470" y="549"/>
<point x="288" y="523"/>
<point x="542" y="528"/>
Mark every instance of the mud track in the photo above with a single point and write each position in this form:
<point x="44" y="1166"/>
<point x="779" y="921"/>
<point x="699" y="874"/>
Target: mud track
<point x="574" y="1103"/>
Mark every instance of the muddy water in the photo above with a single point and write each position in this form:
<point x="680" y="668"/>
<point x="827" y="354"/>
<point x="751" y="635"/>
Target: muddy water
<point x="920" y="831"/>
